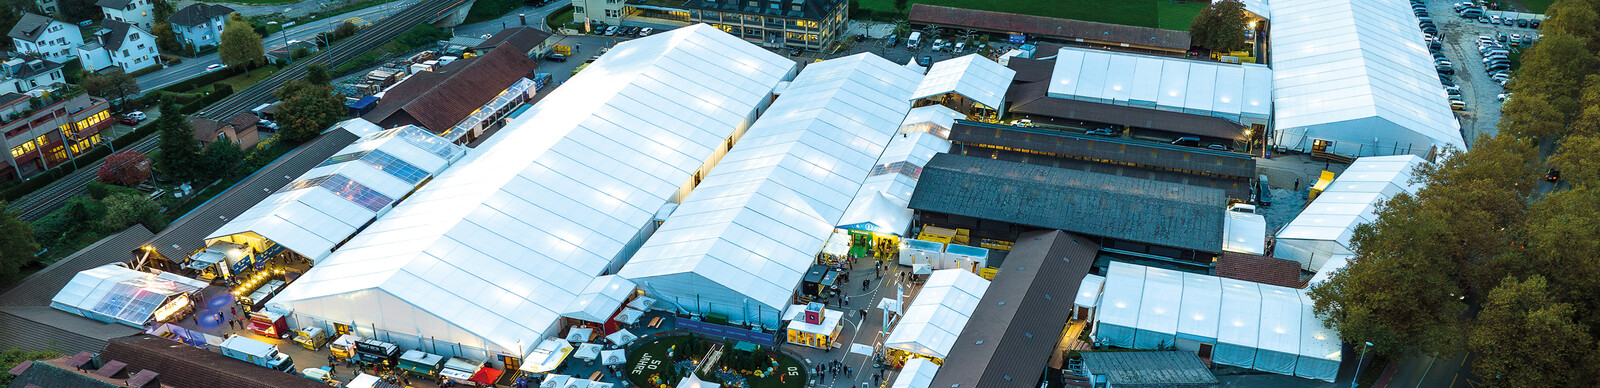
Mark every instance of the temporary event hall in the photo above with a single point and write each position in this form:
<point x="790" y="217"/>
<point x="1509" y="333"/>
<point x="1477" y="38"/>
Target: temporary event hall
<point x="935" y="119"/>
<point x="1233" y="322"/>
<point x="880" y="205"/>
<point x="329" y="203"/>
<point x="113" y="293"/>
<point x="1356" y="79"/>
<point x="968" y="84"/>
<point x="1324" y="228"/>
<point x="929" y="326"/>
<point x="1239" y="93"/>
<point x="485" y="258"/>
<point x="741" y="243"/>
<point x="917" y="373"/>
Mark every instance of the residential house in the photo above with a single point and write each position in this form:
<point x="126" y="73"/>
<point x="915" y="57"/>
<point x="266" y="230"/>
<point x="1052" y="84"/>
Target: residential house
<point x="531" y="42"/>
<point x="462" y="100"/>
<point x="803" y="24"/>
<point x="49" y="7"/>
<point x="53" y="39"/>
<point x="121" y="44"/>
<point x="599" y="11"/>
<point x="20" y="74"/>
<point x="44" y="132"/>
<point x="141" y="13"/>
<point x="200" y="24"/>
<point x="240" y="129"/>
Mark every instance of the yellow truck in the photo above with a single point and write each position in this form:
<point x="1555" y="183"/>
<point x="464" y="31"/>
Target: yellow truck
<point x="563" y="50"/>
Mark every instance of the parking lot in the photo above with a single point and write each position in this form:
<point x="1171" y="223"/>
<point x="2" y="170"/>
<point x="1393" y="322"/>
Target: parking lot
<point x="1477" y="89"/>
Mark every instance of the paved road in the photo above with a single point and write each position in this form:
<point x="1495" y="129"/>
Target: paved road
<point x="192" y="67"/>
<point x="43" y="201"/>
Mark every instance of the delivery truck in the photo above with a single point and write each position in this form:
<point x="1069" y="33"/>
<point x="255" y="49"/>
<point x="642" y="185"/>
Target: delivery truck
<point x="257" y="352"/>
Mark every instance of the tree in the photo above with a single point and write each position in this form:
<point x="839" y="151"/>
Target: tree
<point x="219" y="157"/>
<point x="79" y="10"/>
<point x="126" y="168"/>
<point x="162" y="10"/>
<point x="345" y="30"/>
<point x="1576" y="18"/>
<point x="1532" y="115"/>
<point x="1524" y="338"/>
<point x="11" y="357"/>
<point x="1587" y="120"/>
<point x="1576" y="160"/>
<point x="900" y="4"/>
<point x="1220" y="26"/>
<point x="166" y="39"/>
<point x="1558" y="242"/>
<point x="125" y="209"/>
<point x="112" y="84"/>
<point x="16" y="244"/>
<point x="9" y="15"/>
<point x="309" y="105"/>
<point x="180" y="152"/>
<point x="240" y="45"/>
<point x="1556" y="67"/>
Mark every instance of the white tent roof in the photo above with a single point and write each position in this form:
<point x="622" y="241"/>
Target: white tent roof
<point x="601" y="298"/>
<point x="939" y="313"/>
<point x="877" y="212"/>
<point x="330" y="202"/>
<point x="1356" y="73"/>
<point x="1258" y="7"/>
<point x="1320" y="350"/>
<point x="1324" y="227"/>
<point x="1199" y="87"/>
<point x="935" y="119"/>
<point x="978" y="78"/>
<point x="1245" y="233"/>
<point x="113" y="293"/>
<point x="898" y="169"/>
<point x="493" y="249"/>
<point x="917" y="373"/>
<point x="1334" y="264"/>
<point x="693" y="381"/>
<point x="1158" y="309"/>
<point x="1119" y="305"/>
<point x="1278" y="346"/>
<point x="1239" y="321"/>
<point x="756" y="223"/>
<point x="1201" y="305"/>
<point x="1089" y="290"/>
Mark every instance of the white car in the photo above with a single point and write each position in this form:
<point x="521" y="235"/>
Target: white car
<point x="136" y="115"/>
<point x="1503" y="96"/>
<point x="215" y="67"/>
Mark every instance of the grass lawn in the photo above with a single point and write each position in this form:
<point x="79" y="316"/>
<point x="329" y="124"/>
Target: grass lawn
<point x="1535" y="6"/>
<point x="485" y="10"/>
<point x="1143" y="13"/>
<point x="243" y="81"/>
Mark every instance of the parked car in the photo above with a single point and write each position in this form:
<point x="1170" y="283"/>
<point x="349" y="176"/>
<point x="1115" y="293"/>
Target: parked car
<point x="128" y="121"/>
<point x="556" y="57"/>
<point x="1445" y="70"/>
<point x="1533" y="23"/>
<point x="643" y="32"/>
<point x="611" y="31"/>
<point x="1458" y="105"/>
<point x="1483" y="19"/>
<point x="1218" y="147"/>
<point x="1508" y="22"/>
<point x="925" y="61"/>
<point x="1107" y="131"/>
<point x="1522" y="22"/>
<point x="136" y="115"/>
<point x="268" y="124"/>
<point x="1502" y="96"/>
<point x="1187" y="141"/>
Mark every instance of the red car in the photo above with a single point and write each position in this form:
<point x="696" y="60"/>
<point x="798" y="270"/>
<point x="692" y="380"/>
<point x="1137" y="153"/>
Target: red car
<point x="129" y="121"/>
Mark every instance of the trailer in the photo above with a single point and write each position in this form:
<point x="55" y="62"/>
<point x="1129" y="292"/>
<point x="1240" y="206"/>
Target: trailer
<point x="257" y="352"/>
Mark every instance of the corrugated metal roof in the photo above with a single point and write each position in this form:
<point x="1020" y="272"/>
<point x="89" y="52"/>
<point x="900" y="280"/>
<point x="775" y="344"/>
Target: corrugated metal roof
<point x="1017" y="323"/>
<point x="1150" y="369"/>
<point x="1195" y="160"/>
<point x="1132" y="209"/>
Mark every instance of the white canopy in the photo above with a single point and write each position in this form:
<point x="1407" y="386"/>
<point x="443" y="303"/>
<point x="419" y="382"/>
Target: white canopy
<point x="587" y="352"/>
<point x="613" y="357"/>
<point x="1089" y="290"/>
<point x="621" y="337"/>
<point x="579" y="334"/>
<point x="642" y="303"/>
<point x="896" y="172"/>
<point x="742" y="241"/>
<point x="115" y="294"/>
<point x="934" y="119"/>
<point x="1245" y="233"/>
<point x="628" y="316"/>
<point x="1252" y="325"/>
<point x="1324" y="228"/>
<point x="1357" y="74"/>
<point x="1334" y="264"/>
<point x="973" y="76"/>
<point x="546" y="356"/>
<point x="555" y="381"/>
<point x="877" y="212"/>
<point x="939" y="313"/>
<point x="601" y="298"/>
<point x="693" y="381"/>
<point x="493" y="249"/>
<point x="917" y="373"/>
<point x="330" y="202"/>
<point x="1240" y="93"/>
<point x="363" y="380"/>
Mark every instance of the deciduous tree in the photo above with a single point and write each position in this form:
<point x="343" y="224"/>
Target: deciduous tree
<point x="1220" y="26"/>
<point x="309" y="106"/>
<point x="126" y="168"/>
<point x="1525" y="338"/>
<point x="16" y="244"/>
<point x="1576" y="18"/>
<point x="239" y="43"/>
<point x="1557" y="68"/>
<point x="162" y="10"/>
<point x="219" y="157"/>
<point x="112" y="84"/>
<point x="1578" y="159"/>
<point x="167" y="39"/>
<point x="125" y="209"/>
<point x="9" y="15"/>
<point x="1533" y="115"/>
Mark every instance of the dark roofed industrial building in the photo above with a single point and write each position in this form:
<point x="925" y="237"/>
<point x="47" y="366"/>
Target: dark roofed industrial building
<point x="1020" y="318"/>
<point x="531" y="42"/>
<point x="1259" y="269"/>
<point x="1115" y="36"/>
<point x="1130" y="216"/>
<point x="440" y="100"/>
<point x="1157" y="369"/>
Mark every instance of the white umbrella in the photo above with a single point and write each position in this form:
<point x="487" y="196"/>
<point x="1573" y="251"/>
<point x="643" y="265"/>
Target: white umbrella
<point x="555" y="381"/>
<point x="629" y="316"/>
<point x="578" y="383"/>
<point x="922" y="269"/>
<point x="578" y="334"/>
<point x="587" y="352"/>
<point x="865" y="350"/>
<point x="612" y="357"/>
<point x="622" y="337"/>
<point x="642" y="303"/>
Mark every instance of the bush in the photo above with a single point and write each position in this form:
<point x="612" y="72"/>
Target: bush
<point x="560" y="18"/>
<point x="171" y="60"/>
<point x="420" y="35"/>
<point x="99" y="190"/>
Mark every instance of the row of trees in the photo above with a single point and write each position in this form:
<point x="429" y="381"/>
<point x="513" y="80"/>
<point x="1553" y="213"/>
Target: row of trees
<point x="1482" y="260"/>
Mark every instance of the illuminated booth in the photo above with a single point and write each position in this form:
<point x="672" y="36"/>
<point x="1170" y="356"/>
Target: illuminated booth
<point x="112" y="293"/>
<point x="814" y="326"/>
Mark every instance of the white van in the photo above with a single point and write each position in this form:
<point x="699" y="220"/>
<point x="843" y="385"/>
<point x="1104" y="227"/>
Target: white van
<point x="914" y="40"/>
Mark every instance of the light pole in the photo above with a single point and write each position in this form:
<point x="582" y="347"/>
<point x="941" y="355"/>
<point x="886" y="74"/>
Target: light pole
<point x="1357" y="378"/>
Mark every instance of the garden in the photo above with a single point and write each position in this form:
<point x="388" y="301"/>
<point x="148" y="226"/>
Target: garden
<point x="664" y="361"/>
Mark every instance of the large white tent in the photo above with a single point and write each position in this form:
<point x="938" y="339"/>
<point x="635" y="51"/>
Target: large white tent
<point x="972" y="76"/>
<point x="740" y="244"/>
<point x="935" y="119"/>
<point x="938" y="314"/>
<point x="1241" y="93"/>
<point x="917" y="373"/>
<point x="327" y="204"/>
<point x="1250" y="325"/>
<point x="113" y="293"/>
<point x="1324" y="228"/>
<point x="489" y="253"/>
<point x="1357" y="75"/>
<point x="599" y="299"/>
<point x="880" y="204"/>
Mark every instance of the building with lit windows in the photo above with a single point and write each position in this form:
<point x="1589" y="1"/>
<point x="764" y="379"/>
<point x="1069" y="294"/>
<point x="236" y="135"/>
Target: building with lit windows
<point x="49" y="131"/>
<point x="805" y="24"/>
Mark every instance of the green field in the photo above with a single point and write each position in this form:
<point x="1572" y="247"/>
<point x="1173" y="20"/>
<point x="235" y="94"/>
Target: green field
<point x="1164" y="14"/>
<point x="1535" y="6"/>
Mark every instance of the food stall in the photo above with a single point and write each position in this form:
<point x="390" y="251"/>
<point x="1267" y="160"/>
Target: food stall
<point x="311" y="338"/>
<point x="459" y="370"/>
<point x="221" y="260"/>
<point x="374" y="352"/>
<point x="546" y="356"/>
<point x="815" y="326"/>
<point x="344" y="348"/>
<point x="270" y="324"/>
<point x="421" y="364"/>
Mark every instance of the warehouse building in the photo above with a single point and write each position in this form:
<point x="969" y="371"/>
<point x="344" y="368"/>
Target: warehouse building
<point x="1239" y="93"/>
<point x="485" y="258"/>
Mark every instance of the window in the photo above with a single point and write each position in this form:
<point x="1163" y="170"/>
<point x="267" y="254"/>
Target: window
<point x="22" y="149"/>
<point x="124" y="52"/>
<point x="613" y="13"/>
<point x="578" y="10"/>
<point x="141" y="47"/>
<point x="134" y="36"/>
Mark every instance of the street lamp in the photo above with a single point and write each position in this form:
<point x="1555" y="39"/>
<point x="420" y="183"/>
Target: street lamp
<point x="1357" y="378"/>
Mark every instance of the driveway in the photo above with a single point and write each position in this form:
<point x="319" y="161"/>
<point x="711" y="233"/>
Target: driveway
<point x="1460" y="36"/>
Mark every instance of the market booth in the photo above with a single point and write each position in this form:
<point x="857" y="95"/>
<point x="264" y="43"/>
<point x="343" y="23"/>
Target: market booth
<point x="421" y="364"/>
<point x="814" y="326"/>
<point x="936" y="317"/>
<point x="546" y="356"/>
<point x="917" y="373"/>
<point x="115" y="294"/>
